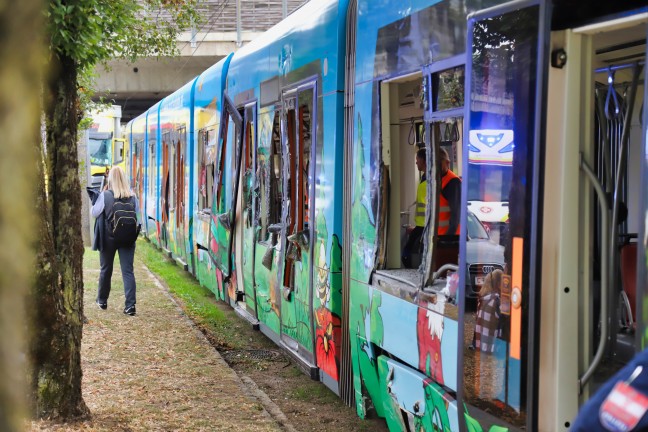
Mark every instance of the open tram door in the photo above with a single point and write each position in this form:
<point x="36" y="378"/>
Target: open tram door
<point x="505" y="98"/>
<point x="295" y="273"/>
<point x="247" y="217"/>
<point x="226" y="189"/>
<point x="592" y="295"/>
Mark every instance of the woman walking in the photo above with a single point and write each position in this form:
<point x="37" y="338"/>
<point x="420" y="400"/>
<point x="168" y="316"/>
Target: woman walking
<point x="120" y="208"/>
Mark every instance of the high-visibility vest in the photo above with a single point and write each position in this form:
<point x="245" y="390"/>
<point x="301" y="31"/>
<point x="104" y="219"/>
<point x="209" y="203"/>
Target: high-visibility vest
<point x="444" y="206"/>
<point x="421" y="200"/>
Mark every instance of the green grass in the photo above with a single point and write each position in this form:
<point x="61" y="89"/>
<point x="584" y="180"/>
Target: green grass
<point x="199" y="303"/>
<point x="313" y="391"/>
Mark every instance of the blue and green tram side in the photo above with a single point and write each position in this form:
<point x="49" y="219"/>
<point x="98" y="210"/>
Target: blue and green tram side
<point x="175" y="133"/>
<point x="206" y="113"/>
<point x="288" y="90"/>
<point x="300" y="177"/>
<point x="409" y="331"/>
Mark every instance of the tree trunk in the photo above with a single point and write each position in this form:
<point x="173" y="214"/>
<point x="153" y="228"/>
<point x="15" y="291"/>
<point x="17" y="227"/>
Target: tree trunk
<point x="21" y="56"/>
<point x="56" y="345"/>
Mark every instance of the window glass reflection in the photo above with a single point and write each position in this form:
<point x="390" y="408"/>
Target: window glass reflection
<point x="499" y="175"/>
<point x="448" y="89"/>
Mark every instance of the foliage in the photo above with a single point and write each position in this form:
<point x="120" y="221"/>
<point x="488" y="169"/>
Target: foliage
<point x="94" y="31"/>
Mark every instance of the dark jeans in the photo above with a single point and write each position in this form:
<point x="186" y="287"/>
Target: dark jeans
<point x="107" y="258"/>
<point x="413" y="246"/>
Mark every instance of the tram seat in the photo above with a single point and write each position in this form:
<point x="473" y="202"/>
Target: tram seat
<point x="629" y="273"/>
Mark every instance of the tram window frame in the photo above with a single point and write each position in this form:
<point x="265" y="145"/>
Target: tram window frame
<point x="206" y="145"/>
<point x="180" y="174"/>
<point x="433" y="115"/>
<point x="172" y="193"/>
<point x="391" y="150"/>
<point x="152" y="166"/>
<point x="164" y="192"/>
<point x="305" y="143"/>
<point x="393" y="99"/>
<point x="271" y="185"/>
<point x="289" y="138"/>
<point x="298" y="150"/>
<point x="136" y="165"/>
<point x="249" y="162"/>
<point x="219" y="173"/>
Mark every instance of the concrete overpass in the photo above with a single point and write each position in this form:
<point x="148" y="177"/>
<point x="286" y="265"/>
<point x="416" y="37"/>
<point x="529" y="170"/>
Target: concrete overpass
<point x="227" y="25"/>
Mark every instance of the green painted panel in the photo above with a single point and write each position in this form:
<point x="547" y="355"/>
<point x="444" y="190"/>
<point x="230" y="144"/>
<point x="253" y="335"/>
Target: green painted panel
<point x="268" y="295"/>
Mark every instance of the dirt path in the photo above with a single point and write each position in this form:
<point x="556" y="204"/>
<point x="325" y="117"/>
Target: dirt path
<point x="155" y="371"/>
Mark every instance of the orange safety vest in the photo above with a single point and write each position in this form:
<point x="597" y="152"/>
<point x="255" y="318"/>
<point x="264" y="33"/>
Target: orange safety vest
<point x="444" y="206"/>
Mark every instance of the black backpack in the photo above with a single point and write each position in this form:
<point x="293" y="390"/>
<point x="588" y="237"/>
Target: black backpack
<point x="123" y="226"/>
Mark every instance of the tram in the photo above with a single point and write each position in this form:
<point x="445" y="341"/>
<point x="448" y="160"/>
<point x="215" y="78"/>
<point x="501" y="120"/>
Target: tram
<point x="284" y="177"/>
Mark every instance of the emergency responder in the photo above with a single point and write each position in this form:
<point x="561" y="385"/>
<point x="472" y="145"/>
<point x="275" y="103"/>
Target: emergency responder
<point x="413" y="244"/>
<point x="450" y="199"/>
<point x="449" y="204"/>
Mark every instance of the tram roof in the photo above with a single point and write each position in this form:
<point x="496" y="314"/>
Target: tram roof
<point x="314" y="31"/>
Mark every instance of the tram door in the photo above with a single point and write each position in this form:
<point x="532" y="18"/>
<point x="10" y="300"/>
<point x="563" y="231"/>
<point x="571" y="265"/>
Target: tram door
<point x="269" y="188"/>
<point x="226" y="191"/>
<point x="139" y="181"/>
<point x="165" y="195"/>
<point x="246" y="214"/>
<point x="178" y="207"/>
<point x="152" y="189"/>
<point x="505" y="66"/>
<point x="298" y="132"/>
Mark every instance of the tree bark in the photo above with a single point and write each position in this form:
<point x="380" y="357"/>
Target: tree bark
<point x="21" y="57"/>
<point x="58" y="318"/>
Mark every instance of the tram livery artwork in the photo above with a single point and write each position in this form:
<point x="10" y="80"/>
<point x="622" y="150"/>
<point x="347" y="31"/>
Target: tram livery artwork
<point x="284" y="179"/>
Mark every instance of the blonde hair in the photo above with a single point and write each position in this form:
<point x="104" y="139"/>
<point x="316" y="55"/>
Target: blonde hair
<point x="492" y="283"/>
<point x="118" y="183"/>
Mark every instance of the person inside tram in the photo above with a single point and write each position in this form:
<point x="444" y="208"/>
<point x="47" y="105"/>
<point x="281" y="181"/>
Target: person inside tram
<point x="413" y="244"/>
<point x="450" y="199"/>
<point x="449" y="204"/>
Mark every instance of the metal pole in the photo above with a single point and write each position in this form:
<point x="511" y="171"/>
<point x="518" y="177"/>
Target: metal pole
<point x="239" y="40"/>
<point x="284" y="8"/>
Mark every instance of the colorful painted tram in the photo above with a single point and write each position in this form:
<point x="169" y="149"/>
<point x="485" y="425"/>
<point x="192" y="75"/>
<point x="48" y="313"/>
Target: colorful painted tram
<point x="284" y="178"/>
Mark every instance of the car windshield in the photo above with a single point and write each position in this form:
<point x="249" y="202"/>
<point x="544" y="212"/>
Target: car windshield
<point x="475" y="228"/>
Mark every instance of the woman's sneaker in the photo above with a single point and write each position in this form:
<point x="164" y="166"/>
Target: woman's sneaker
<point x="102" y="304"/>
<point x="130" y="311"/>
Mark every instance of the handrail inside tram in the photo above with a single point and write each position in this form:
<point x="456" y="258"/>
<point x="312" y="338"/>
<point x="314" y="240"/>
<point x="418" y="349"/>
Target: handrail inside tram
<point x="620" y="173"/>
<point x="603" y="203"/>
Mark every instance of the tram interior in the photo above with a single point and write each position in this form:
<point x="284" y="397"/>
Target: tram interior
<point x="619" y="65"/>
<point x="402" y="136"/>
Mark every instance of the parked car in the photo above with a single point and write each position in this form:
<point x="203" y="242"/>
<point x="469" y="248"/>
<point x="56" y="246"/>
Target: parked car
<point x="482" y="255"/>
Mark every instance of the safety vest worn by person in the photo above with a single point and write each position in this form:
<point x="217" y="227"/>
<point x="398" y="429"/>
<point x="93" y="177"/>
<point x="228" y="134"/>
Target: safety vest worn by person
<point x="444" y="206"/>
<point x="421" y="200"/>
